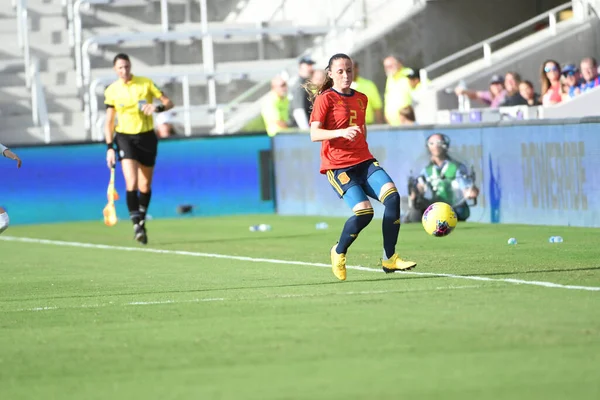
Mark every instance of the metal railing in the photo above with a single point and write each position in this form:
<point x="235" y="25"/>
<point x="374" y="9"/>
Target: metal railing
<point x="75" y="25"/>
<point x="39" y="108"/>
<point x="485" y="47"/>
<point x="208" y="65"/>
<point x="186" y="79"/>
<point x="23" y="35"/>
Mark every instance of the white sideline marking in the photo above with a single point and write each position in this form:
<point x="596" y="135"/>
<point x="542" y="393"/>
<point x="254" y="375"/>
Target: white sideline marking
<point x="286" y="262"/>
<point x="274" y="296"/>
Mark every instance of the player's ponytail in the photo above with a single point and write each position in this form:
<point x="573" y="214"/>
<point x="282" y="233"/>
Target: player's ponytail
<point x="313" y="90"/>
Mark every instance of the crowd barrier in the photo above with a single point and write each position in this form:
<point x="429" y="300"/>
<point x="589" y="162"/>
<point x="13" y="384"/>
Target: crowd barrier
<point x="530" y="173"/>
<point x="216" y="175"/>
<point x="534" y="172"/>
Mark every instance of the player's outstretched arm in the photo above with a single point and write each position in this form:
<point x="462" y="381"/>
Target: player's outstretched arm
<point x="317" y="134"/>
<point x="6" y="152"/>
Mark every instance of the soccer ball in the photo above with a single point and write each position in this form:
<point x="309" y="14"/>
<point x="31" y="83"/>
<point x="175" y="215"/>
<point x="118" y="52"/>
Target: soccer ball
<point x="439" y="219"/>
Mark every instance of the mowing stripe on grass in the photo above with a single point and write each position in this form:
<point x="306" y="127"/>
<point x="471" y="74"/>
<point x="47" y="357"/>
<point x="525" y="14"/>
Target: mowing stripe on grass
<point x="287" y="262"/>
<point x="212" y="299"/>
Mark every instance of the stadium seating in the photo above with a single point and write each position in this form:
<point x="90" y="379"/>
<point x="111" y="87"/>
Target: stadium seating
<point x="368" y="29"/>
<point x="563" y="36"/>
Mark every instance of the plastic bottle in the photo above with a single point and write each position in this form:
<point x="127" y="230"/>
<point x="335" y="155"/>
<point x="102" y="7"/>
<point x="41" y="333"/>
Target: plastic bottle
<point x="264" y="227"/>
<point x="558" y="239"/>
<point x="322" y="225"/>
<point x="512" y="241"/>
<point x="253" y="228"/>
<point x="552" y="239"/>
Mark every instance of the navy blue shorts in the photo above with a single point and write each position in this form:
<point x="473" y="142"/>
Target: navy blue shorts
<point x="355" y="183"/>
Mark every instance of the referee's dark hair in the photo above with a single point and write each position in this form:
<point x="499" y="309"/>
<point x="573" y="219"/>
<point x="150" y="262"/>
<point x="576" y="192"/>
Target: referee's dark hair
<point x="121" y="56"/>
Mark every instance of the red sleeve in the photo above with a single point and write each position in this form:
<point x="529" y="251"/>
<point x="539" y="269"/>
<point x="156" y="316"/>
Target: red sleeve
<point x="320" y="108"/>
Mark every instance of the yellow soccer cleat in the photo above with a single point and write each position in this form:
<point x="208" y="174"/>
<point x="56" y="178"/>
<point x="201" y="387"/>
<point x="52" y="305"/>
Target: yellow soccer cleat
<point x="338" y="264"/>
<point x="395" y="263"/>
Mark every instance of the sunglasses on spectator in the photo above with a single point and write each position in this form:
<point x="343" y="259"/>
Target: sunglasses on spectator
<point x="569" y="73"/>
<point x="438" y="143"/>
<point x="550" y="69"/>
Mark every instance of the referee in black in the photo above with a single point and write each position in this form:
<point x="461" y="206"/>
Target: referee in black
<point x="130" y="99"/>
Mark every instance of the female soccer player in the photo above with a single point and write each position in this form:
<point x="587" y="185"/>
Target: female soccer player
<point x="130" y="99"/>
<point x="338" y="122"/>
<point x="4" y="220"/>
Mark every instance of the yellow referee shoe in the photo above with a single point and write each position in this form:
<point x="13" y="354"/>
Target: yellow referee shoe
<point x="338" y="264"/>
<point x="395" y="263"/>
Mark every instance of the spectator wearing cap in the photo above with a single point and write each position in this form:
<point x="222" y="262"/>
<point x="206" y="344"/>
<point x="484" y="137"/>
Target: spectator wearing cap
<point x="397" y="89"/>
<point x="493" y="97"/>
<point x="414" y="80"/>
<point x="550" y="82"/>
<point x="511" y="85"/>
<point x="528" y="93"/>
<point x="589" y="71"/>
<point x="300" y="105"/>
<point x="572" y="79"/>
<point x="374" y="111"/>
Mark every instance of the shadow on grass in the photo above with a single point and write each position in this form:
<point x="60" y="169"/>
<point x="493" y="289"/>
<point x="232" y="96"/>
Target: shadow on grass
<point x="230" y="239"/>
<point x="390" y="277"/>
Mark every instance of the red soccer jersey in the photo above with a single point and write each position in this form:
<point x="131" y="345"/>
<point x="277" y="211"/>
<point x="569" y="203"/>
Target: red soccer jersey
<point x="336" y="110"/>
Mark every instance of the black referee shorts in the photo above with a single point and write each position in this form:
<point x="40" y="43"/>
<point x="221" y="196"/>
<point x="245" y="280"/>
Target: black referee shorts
<point x="141" y="147"/>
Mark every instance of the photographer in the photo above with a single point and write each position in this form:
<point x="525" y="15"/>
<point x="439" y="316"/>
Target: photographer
<point x="443" y="179"/>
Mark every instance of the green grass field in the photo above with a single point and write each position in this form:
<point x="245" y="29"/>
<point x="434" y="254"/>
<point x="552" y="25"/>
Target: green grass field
<point x="100" y="322"/>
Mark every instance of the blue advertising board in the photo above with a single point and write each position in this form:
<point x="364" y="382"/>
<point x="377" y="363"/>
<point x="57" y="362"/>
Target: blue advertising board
<point x="218" y="175"/>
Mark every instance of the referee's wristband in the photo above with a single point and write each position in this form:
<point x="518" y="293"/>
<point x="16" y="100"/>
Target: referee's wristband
<point x="160" y="108"/>
<point x="110" y="146"/>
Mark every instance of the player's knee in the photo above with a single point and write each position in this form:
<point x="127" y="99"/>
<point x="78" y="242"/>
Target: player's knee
<point x="4" y="221"/>
<point x="391" y="199"/>
<point x="364" y="216"/>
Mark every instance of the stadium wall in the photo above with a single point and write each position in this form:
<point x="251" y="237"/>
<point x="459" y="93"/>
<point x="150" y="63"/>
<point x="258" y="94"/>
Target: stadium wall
<point x="218" y="175"/>
<point x="529" y="173"/>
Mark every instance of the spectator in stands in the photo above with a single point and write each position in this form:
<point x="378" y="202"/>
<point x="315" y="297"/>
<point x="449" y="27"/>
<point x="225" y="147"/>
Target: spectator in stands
<point x="275" y="110"/>
<point x="397" y="89"/>
<point x="572" y="80"/>
<point x="414" y="81"/>
<point x="589" y="71"/>
<point x="407" y="116"/>
<point x="443" y="179"/>
<point x="493" y="97"/>
<point x="300" y="105"/>
<point x="528" y="93"/>
<point x="550" y="81"/>
<point x="164" y="124"/>
<point x="511" y="85"/>
<point x="318" y="78"/>
<point x="374" y="111"/>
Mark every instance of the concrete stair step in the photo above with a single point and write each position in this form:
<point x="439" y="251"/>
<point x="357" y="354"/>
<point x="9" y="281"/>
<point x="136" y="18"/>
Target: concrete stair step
<point x="60" y="64"/>
<point x="44" y="23"/>
<point x="11" y="93"/>
<point x="12" y="79"/>
<point x="45" y="8"/>
<point x="10" y="107"/>
<point x="255" y="67"/>
<point x="25" y="135"/>
<point x="8" y="25"/>
<point x="10" y="48"/>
